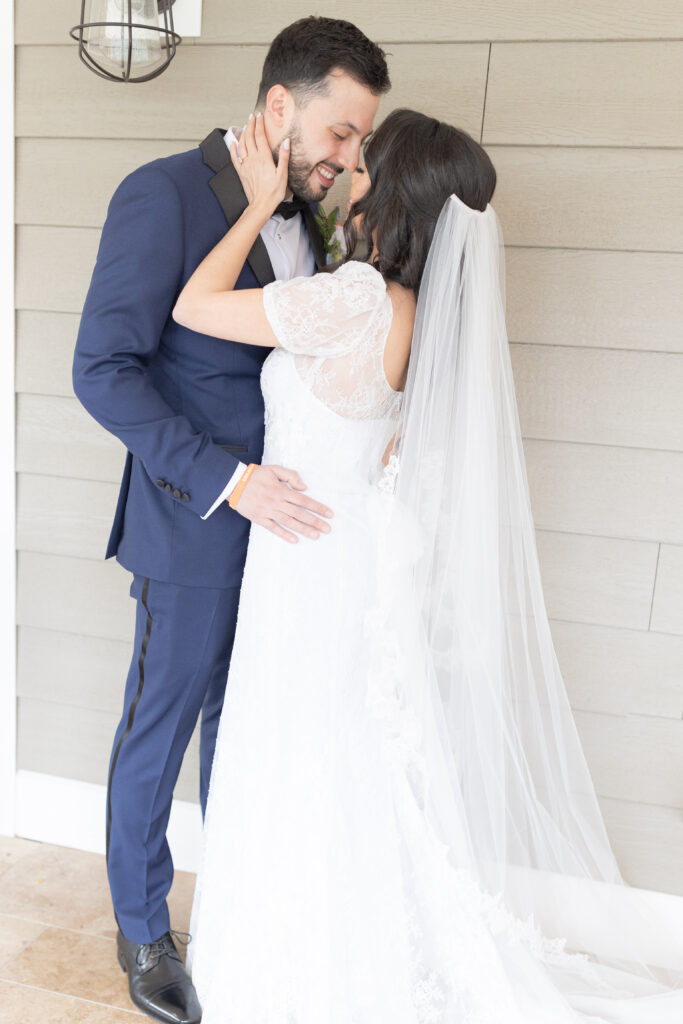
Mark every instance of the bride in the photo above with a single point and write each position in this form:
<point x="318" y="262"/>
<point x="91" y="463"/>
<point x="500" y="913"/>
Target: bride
<point x="401" y="826"/>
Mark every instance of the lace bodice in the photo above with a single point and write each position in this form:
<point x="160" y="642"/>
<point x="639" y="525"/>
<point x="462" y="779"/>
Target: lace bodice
<point x="336" y="326"/>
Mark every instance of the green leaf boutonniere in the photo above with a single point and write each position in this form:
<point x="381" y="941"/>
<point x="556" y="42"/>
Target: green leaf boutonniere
<point x="332" y="233"/>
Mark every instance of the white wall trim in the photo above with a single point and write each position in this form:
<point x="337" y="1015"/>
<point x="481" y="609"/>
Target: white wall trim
<point x="7" y="470"/>
<point x="71" y="813"/>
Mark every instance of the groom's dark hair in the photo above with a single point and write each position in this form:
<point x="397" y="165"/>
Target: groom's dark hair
<point x="303" y="55"/>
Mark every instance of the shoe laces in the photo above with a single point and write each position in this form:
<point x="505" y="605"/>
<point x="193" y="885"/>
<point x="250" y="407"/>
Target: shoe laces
<point x="152" y="952"/>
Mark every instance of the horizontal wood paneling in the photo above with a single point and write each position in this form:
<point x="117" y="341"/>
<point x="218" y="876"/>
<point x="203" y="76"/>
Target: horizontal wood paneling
<point x="401" y="20"/>
<point x="76" y="743"/>
<point x="600" y="299"/>
<point x="57" y="437"/>
<point x="57" y="97"/>
<point x="647" y="842"/>
<point x="54" y="267"/>
<point x="584" y="137"/>
<point x="594" y="579"/>
<point x="629" y="758"/>
<point x="63" y="516"/>
<point x="585" y="94"/>
<point x="613" y="671"/>
<point x="45" y="351"/>
<point x="48" y="190"/>
<point x="583" y="489"/>
<point x="67" y="668"/>
<point x="608" y="491"/>
<point x="620" y="671"/>
<point x="554" y="297"/>
<point x="98" y="596"/>
<point x="601" y="397"/>
<point x="634" y="758"/>
<point x="586" y="579"/>
<point x="578" y="197"/>
<point x="667" y="610"/>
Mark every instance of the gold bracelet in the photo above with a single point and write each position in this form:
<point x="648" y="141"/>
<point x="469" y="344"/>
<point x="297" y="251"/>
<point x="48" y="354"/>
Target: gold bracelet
<point x="241" y="484"/>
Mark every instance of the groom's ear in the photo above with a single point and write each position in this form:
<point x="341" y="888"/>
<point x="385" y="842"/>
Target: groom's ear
<point x="279" y="106"/>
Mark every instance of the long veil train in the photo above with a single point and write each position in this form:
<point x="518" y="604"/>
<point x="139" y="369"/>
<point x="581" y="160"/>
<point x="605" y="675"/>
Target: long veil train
<point x="461" y="542"/>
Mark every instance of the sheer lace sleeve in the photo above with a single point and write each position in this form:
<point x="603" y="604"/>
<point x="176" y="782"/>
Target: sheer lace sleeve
<point x="335" y="327"/>
<point x="328" y="314"/>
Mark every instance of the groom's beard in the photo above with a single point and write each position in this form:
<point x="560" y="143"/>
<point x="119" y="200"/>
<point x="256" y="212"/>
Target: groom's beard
<point x="300" y="171"/>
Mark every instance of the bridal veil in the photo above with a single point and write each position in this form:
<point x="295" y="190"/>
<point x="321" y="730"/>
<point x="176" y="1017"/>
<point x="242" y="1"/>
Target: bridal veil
<point x="461" y="557"/>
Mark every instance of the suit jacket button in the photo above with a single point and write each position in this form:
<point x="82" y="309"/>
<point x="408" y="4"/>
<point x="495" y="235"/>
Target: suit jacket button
<point x="167" y="487"/>
<point x="185" y="497"/>
<point x="176" y="493"/>
<point x="161" y="483"/>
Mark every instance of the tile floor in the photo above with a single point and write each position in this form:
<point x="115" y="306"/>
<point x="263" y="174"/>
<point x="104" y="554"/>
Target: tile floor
<point x="57" y="937"/>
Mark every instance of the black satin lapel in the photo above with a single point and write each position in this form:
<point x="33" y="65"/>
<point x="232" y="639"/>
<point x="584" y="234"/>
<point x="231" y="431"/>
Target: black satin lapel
<point x="317" y="244"/>
<point x="214" y="151"/>
<point x="227" y="188"/>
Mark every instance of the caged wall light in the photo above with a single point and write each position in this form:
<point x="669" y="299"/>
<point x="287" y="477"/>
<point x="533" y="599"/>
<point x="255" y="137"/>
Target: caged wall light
<point x="126" y="40"/>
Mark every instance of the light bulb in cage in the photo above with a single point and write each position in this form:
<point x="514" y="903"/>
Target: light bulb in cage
<point x="126" y="40"/>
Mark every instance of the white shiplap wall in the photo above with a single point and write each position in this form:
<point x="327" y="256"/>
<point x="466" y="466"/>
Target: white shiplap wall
<point x="579" y="106"/>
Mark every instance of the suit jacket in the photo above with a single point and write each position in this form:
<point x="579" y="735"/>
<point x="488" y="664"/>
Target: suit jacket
<point x="187" y="406"/>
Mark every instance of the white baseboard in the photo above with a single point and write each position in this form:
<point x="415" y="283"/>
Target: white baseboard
<point x="71" y="813"/>
<point x="67" y="812"/>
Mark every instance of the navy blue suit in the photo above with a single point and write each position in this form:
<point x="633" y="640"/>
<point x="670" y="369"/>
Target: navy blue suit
<point x="187" y="407"/>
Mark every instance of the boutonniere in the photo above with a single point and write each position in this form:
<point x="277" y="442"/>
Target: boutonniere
<point x="332" y="231"/>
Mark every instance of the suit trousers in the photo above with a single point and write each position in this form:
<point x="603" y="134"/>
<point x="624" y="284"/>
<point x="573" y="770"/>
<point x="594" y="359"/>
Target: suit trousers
<point x="183" y="643"/>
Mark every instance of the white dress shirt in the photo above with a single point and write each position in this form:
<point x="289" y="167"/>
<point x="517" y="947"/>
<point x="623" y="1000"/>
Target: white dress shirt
<point x="289" y="249"/>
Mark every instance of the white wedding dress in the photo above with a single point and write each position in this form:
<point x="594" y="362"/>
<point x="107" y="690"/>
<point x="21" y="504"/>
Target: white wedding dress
<point x="324" y="895"/>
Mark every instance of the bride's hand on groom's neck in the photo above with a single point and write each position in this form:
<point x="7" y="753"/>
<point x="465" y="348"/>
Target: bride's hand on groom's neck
<point x="264" y="182"/>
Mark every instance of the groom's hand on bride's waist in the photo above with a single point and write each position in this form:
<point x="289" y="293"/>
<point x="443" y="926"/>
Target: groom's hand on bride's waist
<point x="270" y="496"/>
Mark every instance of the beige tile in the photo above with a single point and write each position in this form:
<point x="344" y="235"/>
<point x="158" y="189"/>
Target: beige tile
<point x="15" y="934"/>
<point x="21" y="1005"/>
<point x="71" y="964"/>
<point x="65" y="888"/>
<point x="13" y="849"/>
<point x="68" y="889"/>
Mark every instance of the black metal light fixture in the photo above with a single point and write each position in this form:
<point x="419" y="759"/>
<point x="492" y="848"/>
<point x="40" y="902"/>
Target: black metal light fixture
<point x="126" y="40"/>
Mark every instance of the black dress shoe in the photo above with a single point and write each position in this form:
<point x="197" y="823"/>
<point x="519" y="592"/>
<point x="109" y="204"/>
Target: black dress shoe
<point x="157" y="980"/>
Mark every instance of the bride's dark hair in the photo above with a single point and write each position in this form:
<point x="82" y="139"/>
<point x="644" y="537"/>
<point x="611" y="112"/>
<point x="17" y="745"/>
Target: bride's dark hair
<point x="415" y="163"/>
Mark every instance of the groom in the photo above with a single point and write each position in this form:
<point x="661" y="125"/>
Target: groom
<point x="189" y="410"/>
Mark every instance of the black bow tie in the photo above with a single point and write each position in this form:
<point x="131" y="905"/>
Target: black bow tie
<point x="290" y="207"/>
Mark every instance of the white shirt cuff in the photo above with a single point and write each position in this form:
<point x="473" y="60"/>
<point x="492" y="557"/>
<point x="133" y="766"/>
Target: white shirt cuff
<point x="227" y="491"/>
